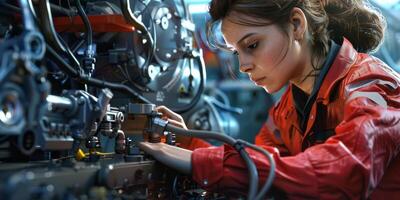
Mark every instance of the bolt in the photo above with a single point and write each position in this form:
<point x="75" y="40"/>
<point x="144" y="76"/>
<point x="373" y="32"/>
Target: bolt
<point x="81" y="100"/>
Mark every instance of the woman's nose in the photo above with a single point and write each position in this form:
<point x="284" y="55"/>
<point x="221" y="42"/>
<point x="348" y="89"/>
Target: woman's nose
<point x="244" y="68"/>
<point x="245" y="62"/>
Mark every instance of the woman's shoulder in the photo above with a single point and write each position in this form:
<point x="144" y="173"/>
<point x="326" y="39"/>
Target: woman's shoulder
<point x="370" y="76"/>
<point x="370" y="67"/>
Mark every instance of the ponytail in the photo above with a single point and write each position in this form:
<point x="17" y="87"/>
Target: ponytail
<point x="357" y="21"/>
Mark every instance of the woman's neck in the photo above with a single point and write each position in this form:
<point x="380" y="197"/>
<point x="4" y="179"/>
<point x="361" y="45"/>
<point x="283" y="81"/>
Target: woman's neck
<point x="307" y="73"/>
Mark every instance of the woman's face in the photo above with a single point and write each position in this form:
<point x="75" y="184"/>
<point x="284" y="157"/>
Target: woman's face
<point x="269" y="56"/>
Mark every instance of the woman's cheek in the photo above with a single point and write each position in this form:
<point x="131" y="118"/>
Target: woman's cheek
<point x="279" y="75"/>
<point x="290" y="63"/>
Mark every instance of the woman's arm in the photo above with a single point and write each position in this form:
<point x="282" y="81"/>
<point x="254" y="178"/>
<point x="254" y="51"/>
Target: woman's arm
<point x="348" y="165"/>
<point x="174" y="157"/>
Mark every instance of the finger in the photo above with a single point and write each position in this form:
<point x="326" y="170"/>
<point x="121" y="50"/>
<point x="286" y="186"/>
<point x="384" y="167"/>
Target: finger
<point x="169" y="113"/>
<point x="164" y="110"/>
<point x="177" y="123"/>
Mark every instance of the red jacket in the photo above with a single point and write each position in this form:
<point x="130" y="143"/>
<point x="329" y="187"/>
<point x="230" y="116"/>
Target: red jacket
<point x="350" y="146"/>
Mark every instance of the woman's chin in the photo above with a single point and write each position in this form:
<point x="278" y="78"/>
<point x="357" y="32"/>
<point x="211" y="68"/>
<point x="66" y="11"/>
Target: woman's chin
<point x="271" y="89"/>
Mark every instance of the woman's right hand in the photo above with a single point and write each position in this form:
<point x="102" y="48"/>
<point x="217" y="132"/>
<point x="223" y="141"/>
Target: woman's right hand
<point x="176" y="120"/>
<point x="172" y="117"/>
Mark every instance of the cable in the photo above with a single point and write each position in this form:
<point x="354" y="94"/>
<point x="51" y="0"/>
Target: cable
<point x="268" y="183"/>
<point x="130" y="18"/>
<point x="159" y="126"/>
<point x="88" y="80"/>
<point x="252" y="170"/>
<point x="88" y="60"/>
<point x="46" y="22"/>
<point x="62" y="11"/>
<point x="85" y="19"/>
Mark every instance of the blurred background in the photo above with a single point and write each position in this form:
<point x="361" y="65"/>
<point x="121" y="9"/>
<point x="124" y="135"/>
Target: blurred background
<point x="249" y="104"/>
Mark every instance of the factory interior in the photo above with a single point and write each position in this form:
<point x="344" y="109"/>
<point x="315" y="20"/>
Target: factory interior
<point x="130" y="99"/>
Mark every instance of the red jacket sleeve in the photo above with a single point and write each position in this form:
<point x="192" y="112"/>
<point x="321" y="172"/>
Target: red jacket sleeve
<point x="349" y="164"/>
<point x="270" y="135"/>
<point x="194" y="144"/>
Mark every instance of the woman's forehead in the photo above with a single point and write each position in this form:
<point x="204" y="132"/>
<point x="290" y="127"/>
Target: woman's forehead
<point x="237" y="21"/>
<point x="233" y="31"/>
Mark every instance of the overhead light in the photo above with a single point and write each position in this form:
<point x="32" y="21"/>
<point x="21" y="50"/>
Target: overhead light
<point x="198" y="8"/>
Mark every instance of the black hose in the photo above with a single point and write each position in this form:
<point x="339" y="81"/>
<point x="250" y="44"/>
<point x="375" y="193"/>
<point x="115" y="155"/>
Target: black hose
<point x="253" y="174"/>
<point x="57" y="9"/>
<point x="130" y="18"/>
<point x="268" y="183"/>
<point x="85" y="19"/>
<point x="46" y="22"/>
<point x="62" y="11"/>
<point x="64" y="66"/>
<point x="88" y="80"/>
<point x="9" y="7"/>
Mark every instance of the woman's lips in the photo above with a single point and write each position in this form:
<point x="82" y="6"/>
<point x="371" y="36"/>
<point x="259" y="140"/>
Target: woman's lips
<point x="258" y="81"/>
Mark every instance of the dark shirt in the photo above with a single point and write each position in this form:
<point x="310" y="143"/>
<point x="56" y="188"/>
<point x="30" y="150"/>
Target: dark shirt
<point x="302" y="101"/>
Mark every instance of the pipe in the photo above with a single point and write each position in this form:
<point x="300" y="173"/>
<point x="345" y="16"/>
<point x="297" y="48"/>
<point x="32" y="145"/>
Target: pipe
<point x="91" y="81"/>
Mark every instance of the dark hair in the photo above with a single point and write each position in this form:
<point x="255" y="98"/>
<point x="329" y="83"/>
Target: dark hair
<point x="355" y="20"/>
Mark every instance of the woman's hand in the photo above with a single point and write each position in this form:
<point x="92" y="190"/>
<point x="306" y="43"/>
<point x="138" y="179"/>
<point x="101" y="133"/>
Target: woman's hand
<point x="172" y="117"/>
<point x="176" y="120"/>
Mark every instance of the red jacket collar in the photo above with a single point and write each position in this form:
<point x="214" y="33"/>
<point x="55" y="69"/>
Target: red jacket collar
<point x="345" y="58"/>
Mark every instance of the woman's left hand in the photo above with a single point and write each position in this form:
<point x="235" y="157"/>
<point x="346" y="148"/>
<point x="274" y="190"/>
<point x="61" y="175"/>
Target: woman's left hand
<point x="172" y="156"/>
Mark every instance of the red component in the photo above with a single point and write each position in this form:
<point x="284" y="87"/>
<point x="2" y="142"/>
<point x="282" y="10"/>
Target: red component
<point x="359" y="100"/>
<point x="99" y="23"/>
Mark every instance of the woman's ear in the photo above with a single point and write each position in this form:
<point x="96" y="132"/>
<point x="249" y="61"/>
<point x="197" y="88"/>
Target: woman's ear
<point x="299" y="22"/>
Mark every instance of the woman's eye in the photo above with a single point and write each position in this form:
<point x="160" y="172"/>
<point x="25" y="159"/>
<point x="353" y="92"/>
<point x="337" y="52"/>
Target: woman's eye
<point x="253" y="46"/>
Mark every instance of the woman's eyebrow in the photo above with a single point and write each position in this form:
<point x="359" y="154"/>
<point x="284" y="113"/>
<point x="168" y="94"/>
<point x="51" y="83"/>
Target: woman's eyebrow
<point x="244" y="37"/>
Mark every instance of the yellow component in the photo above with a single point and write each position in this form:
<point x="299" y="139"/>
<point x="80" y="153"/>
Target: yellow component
<point x="182" y="89"/>
<point x="80" y="155"/>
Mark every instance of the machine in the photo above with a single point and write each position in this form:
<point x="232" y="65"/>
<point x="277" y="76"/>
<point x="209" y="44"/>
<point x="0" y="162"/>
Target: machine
<point x="79" y="83"/>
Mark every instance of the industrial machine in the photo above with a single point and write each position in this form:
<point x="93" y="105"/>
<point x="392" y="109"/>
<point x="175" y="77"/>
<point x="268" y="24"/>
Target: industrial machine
<point x="79" y="82"/>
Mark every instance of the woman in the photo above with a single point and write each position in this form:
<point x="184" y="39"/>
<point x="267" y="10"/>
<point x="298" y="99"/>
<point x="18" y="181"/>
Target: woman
<point x="336" y="131"/>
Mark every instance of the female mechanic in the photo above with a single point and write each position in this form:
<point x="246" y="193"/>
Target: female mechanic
<point x="335" y="133"/>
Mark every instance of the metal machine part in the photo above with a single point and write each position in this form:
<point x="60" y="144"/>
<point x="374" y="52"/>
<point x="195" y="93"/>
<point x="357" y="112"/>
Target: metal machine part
<point x="55" y="110"/>
<point x="106" y="180"/>
<point x="142" y="114"/>
<point x="173" y="74"/>
<point x="156" y="57"/>
<point x="22" y="83"/>
<point x="212" y="115"/>
<point x="72" y="116"/>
